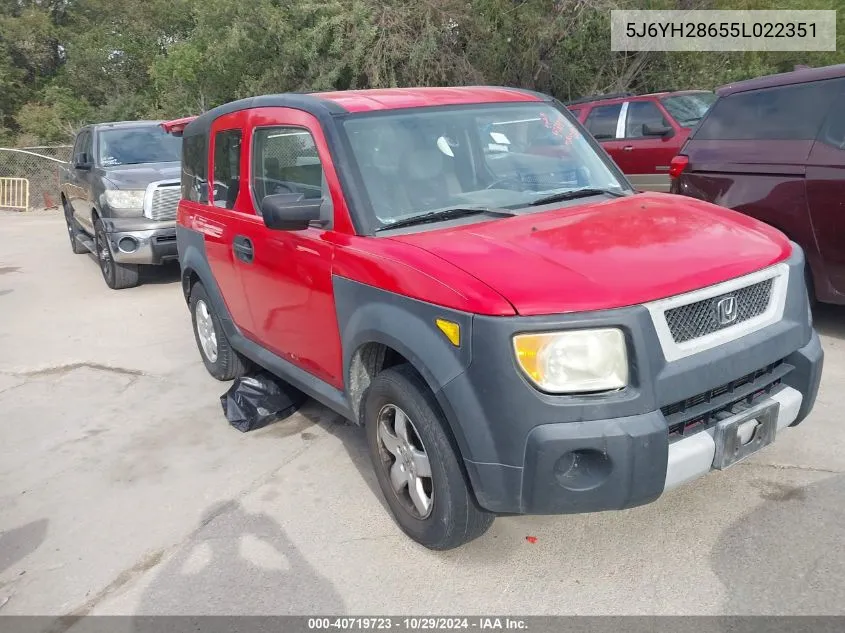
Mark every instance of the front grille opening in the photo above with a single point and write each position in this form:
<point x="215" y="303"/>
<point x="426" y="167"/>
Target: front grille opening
<point x="701" y="318"/>
<point x="701" y="411"/>
<point x="165" y="200"/>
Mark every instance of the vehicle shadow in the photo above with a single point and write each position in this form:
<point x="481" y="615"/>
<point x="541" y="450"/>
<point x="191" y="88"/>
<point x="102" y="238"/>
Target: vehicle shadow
<point x="829" y="320"/>
<point x="18" y="543"/>
<point x="353" y="438"/>
<point x="237" y="563"/>
<point x="788" y="555"/>
<point x="165" y="274"/>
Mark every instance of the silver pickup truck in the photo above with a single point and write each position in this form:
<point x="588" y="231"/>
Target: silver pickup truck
<point x="119" y="194"/>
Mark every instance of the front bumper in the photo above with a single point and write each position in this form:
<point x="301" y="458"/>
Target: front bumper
<point x="141" y="241"/>
<point x="532" y="453"/>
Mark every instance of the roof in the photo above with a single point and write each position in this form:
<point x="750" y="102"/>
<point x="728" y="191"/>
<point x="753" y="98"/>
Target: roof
<point x="784" y="79"/>
<point x="621" y="97"/>
<point x="324" y="104"/>
<point x="393" y="98"/>
<point x="123" y="124"/>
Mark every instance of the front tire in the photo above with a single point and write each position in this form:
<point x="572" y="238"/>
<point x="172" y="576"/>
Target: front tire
<point x="417" y="466"/>
<point x="221" y="361"/>
<point x="116" y="275"/>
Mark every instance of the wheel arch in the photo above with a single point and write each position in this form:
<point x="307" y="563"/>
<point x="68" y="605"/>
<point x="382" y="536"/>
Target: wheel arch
<point x="380" y="329"/>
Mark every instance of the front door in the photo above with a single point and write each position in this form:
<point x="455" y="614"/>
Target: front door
<point x="289" y="280"/>
<point x="79" y="192"/>
<point x="826" y="193"/>
<point x="645" y="155"/>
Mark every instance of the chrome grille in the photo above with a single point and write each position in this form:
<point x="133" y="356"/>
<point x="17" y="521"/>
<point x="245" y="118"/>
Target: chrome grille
<point x="163" y="203"/>
<point x="701" y="318"/>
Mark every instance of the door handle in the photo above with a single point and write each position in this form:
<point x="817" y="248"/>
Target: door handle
<point x="242" y="247"/>
<point x="628" y="148"/>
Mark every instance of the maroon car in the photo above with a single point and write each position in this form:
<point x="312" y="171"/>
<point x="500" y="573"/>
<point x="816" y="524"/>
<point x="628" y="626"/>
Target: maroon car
<point x="643" y="133"/>
<point x="774" y="148"/>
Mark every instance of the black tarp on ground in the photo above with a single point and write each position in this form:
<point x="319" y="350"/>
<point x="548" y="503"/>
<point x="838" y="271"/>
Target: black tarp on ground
<point x="255" y="401"/>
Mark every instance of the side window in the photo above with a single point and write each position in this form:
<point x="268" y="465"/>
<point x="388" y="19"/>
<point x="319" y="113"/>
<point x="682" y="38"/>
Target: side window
<point x="195" y="168"/>
<point x="601" y="121"/>
<point x="83" y="147"/>
<point x="576" y="112"/>
<point x="833" y="130"/>
<point x="783" y="113"/>
<point x="642" y="113"/>
<point x="227" y="164"/>
<point x="285" y="160"/>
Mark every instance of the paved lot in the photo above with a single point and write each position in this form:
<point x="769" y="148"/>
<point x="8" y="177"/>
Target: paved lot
<point x="123" y="490"/>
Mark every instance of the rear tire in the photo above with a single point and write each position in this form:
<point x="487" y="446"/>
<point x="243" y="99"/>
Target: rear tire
<point x="416" y="463"/>
<point x="73" y="230"/>
<point x="117" y="276"/>
<point x="221" y="361"/>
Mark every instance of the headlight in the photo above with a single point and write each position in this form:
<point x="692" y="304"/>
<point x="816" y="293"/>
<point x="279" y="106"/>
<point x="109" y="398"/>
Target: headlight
<point x="125" y="199"/>
<point x="574" y="361"/>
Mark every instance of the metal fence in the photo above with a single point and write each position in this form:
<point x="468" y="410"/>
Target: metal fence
<point x="40" y="166"/>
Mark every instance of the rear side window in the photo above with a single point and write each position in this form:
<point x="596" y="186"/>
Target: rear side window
<point x="227" y="167"/>
<point x="195" y="168"/>
<point x="642" y="113"/>
<point x="601" y="121"/>
<point x="833" y="130"/>
<point x="689" y="109"/>
<point x="782" y="113"/>
<point x="285" y="161"/>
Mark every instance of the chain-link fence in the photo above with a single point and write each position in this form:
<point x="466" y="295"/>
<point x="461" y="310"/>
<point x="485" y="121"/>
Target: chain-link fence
<point x="41" y="166"/>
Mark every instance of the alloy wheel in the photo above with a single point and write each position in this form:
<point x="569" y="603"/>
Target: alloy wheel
<point x="205" y="331"/>
<point x="405" y="461"/>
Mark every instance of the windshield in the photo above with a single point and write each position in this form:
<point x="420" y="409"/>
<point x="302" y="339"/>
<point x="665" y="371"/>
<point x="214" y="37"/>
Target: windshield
<point x="488" y="156"/>
<point x="135" y="145"/>
<point x="689" y="109"/>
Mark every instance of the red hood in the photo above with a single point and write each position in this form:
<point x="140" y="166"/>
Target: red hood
<point x="608" y="254"/>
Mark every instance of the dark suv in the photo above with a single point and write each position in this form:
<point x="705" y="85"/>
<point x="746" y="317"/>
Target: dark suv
<point x="774" y="148"/>
<point x="119" y="196"/>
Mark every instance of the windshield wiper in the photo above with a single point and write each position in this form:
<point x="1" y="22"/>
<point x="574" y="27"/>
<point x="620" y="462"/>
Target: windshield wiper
<point x="445" y="214"/>
<point x="572" y="194"/>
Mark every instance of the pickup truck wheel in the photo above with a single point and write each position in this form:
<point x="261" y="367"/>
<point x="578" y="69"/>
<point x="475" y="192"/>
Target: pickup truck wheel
<point x="117" y="276"/>
<point x="416" y="463"/>
<point x="73" y="230"/>
<point x="219" y="358"/>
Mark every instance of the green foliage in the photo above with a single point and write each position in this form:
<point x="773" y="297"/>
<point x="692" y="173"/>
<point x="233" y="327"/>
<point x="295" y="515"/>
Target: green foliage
<point x="66" y="62"/>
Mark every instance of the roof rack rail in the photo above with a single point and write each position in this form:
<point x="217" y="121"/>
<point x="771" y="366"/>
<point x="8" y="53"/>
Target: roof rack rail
<point x="612" y="95"/>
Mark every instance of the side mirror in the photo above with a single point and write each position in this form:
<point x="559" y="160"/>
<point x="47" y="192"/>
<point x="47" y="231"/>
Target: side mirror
<point x="80" y="161"/>
<point x="289" y="212"/>
<point x="657" y="130"/>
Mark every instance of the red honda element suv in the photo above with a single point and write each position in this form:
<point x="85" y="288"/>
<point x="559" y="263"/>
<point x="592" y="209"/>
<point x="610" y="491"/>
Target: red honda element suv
<point x="518" y="331"/>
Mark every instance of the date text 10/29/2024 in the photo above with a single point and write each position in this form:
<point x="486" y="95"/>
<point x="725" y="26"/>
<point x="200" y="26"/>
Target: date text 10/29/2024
<point x="417" y="623"/>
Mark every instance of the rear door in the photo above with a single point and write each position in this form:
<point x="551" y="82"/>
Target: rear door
<point x="603" y="122"/>
<point x="651" y="141"/>
<point x="750" y="154"/>
<point x="216" y="154"/>
<point x="826" y="193"/>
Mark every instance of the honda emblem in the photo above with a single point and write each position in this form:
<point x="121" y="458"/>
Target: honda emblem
<point x="726" y="310"/>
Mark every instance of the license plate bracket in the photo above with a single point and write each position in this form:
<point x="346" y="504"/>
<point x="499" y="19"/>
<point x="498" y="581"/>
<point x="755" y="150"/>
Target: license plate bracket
<point x="728" y="434"/>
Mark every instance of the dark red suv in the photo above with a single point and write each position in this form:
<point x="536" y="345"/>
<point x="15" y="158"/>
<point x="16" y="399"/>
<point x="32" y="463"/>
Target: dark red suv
<point x="463" y="272"/>
<point x="774" y="148"/>
<point x="643" y="133"/>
